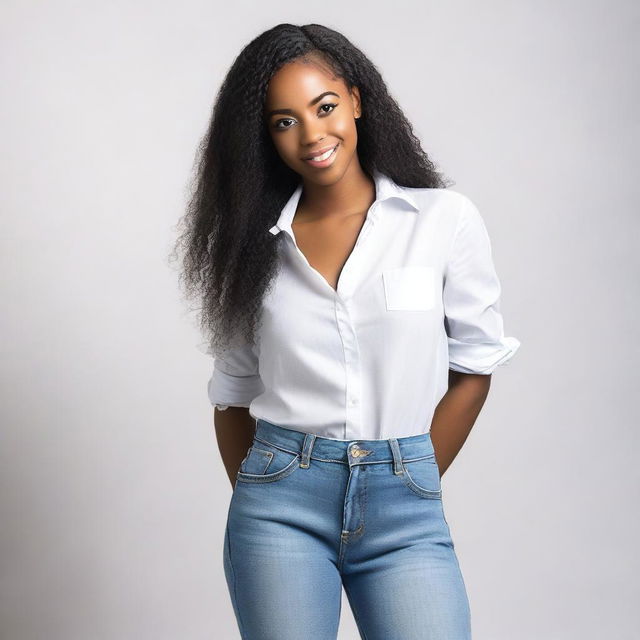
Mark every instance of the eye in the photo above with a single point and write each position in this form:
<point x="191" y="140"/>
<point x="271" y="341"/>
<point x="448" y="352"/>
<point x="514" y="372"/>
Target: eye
<point x="329" y="104"/>
<point x="275" y="126"/>
<point x="277" y="123"/>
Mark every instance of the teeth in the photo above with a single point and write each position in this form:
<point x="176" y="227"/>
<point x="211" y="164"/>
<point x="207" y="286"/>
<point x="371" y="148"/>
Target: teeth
<point x="324" y="156"/>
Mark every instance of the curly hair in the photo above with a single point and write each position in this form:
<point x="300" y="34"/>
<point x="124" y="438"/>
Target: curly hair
<point x="241" y="184"/>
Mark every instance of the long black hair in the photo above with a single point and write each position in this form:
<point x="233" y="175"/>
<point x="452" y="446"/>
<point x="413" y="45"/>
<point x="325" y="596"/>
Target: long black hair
<point x="241" y="184"/>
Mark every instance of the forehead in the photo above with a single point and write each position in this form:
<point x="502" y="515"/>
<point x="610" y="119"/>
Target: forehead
<point x="298" y="82"/>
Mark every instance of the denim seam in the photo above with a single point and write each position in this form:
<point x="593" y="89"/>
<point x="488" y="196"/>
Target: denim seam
<point x="363" y="506"/>
<point x="275" y="446"/>
<point x="429" y="494"/>
<point x="319" y="459"/>
<point x="344" y="534"/>
<point x="258" y="478"/>
<point x="268" y="454"/>
<point x="233" y="580"/>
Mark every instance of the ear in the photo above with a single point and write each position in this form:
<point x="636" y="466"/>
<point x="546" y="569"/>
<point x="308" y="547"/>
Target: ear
<point x="355" y="99"/>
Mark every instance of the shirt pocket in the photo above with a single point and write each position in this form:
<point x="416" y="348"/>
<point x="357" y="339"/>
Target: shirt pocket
<point x="409" y="288"/>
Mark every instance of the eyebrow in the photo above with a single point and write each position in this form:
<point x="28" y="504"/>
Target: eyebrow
<point x="290" y="111"/>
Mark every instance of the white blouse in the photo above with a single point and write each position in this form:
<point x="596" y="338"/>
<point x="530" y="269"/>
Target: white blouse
<point x="418" y="295"/>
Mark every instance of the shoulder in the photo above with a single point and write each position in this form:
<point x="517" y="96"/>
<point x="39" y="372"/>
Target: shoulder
<point x="449" y="205"/>
<point x="450" y="216"/>
<point x="452" y="201"/>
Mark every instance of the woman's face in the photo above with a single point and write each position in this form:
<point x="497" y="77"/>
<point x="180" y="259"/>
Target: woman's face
<point x="307" y="111"/>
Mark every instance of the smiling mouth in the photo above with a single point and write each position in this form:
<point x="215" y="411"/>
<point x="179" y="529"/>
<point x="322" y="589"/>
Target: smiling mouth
<point x="324" y="158"/>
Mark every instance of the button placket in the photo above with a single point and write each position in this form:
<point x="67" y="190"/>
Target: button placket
<point x="348" y="276"/>
<point x="352" y="369"/>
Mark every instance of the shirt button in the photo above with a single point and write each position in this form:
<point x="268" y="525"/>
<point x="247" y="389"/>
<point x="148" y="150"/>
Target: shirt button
<point x="353" y="401"/>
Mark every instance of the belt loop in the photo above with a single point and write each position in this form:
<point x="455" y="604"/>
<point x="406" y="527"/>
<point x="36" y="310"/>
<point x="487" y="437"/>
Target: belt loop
<point x="307" y="447"/>
<point x="398" y="467"/>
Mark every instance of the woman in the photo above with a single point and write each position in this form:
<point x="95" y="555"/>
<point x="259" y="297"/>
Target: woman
<point x="352" y="307"/>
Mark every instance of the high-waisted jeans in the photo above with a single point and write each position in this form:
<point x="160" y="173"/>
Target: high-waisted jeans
<point x="309" y="515"/>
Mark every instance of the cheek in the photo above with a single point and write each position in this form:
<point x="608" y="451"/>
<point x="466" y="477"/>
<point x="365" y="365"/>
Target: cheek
<point x="279" y="143"/>
<point x="285" y="146"/>
<point x="347" y="131"/>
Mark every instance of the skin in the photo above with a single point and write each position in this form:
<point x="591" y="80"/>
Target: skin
<point x="298" y="128"/>
<point x="326" y="225"/>
<point x="307" y="110"/>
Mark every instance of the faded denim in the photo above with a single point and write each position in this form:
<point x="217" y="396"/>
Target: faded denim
<point x="309" y="515"/>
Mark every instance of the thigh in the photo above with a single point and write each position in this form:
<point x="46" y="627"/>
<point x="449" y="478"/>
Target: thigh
<point x="411" y="596"/>
<point x="402" y="576"/>
<point x="281" y="572"/>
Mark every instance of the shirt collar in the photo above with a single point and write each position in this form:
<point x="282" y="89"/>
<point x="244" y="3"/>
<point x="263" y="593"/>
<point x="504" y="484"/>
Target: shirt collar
<point x="386" y="188"/>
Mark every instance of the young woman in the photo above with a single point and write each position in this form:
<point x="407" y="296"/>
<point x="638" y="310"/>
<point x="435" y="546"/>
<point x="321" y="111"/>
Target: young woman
<point x="352" y="307"/>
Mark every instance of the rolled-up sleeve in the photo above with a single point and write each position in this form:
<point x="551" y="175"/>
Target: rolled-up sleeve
<point x="235" y="381"/>
<point x="471" y="297"/>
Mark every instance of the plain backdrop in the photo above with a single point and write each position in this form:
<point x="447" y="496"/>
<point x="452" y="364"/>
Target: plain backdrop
<point x="113" y="497"/>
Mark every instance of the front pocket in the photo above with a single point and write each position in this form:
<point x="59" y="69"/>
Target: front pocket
<point x="409" y="288"/>
<point x="265" y="462"/>
<point x="423" y="477"/>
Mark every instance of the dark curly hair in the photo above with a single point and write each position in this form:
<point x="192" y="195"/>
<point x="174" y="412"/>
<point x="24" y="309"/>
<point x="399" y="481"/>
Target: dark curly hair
<point x="241" y="184"/>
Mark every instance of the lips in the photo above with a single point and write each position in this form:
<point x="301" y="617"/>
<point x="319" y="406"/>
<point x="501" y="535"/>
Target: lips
<point x="323" y="158"/>
<point x="315" y="155"/>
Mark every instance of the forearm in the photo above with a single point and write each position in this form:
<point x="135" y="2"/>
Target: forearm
<point x="456" y="414"/>
<point x="235" y="428"/>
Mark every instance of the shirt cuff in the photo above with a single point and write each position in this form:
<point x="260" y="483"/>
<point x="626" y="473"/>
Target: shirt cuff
<point x="481" y="358"/>
<point x="227" y="390"/>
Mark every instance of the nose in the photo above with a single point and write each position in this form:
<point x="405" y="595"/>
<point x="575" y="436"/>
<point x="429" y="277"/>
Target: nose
<point x="311" y="134"/>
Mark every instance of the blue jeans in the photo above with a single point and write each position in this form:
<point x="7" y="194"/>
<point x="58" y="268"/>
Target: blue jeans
<point x="309" y="515"/>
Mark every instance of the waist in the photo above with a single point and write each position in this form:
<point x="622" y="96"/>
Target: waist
<point x="364" y="450"/>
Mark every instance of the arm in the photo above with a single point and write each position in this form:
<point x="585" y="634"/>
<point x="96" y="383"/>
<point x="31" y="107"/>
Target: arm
<point x="475" y="333"/>
<point x="235" y="383"/>
<point x="456" y="414"/>
<point x="234" y="429"/>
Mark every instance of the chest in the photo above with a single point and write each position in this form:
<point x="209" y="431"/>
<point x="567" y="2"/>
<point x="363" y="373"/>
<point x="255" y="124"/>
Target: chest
<point x="342" y="287"/>
<point x="327" y="245"/>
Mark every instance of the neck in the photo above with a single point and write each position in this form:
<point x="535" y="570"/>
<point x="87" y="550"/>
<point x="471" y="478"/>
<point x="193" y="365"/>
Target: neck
<point x="353" y="193"/>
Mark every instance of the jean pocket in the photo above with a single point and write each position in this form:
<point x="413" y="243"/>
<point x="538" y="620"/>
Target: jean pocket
<point x="422" y="476"/>
<point x="410" y="288"/>
<point x="266" y="462"/>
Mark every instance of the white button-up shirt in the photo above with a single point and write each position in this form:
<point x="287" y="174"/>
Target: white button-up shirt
<point x="418" y="295"/>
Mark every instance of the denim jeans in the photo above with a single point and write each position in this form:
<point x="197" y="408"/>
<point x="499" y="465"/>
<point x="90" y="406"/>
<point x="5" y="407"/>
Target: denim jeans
<point x="309" y="515"/>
